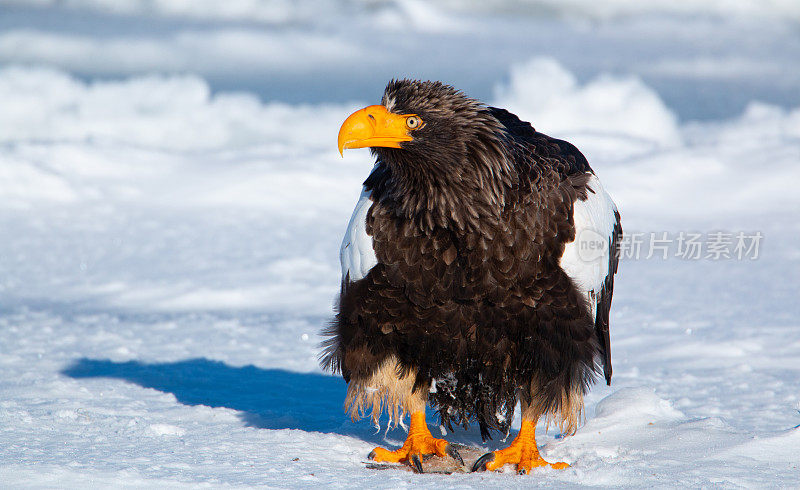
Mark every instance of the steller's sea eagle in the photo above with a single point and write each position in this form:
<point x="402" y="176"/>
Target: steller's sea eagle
<point x="477" y="271"/>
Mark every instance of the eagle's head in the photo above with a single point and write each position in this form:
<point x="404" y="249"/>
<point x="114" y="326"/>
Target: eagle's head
<point x="448" y="158"/>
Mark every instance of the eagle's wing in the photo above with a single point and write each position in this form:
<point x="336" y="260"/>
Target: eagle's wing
<point x="591" y="259"/>
<point x="356" y="254"/>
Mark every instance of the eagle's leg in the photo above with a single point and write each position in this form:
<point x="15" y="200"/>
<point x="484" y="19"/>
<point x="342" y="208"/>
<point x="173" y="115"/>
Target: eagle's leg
<point x="523" y="452"/>
<point x="419" y="442"/>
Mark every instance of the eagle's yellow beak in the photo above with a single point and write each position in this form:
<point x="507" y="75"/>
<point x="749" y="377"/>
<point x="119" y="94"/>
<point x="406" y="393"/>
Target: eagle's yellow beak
<point x="373" y="126"/>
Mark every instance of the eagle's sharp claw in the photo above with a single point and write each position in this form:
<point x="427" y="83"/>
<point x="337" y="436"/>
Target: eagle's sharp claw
<point x="416" y="463"/>
<point x="480" y="464"/>
<point x="453" y="453"/>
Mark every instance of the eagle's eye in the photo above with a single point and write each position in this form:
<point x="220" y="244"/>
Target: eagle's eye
<point x="413" y="122"/>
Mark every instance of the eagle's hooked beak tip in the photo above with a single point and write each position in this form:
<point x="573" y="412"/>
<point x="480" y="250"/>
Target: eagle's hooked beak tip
<point x="344" y="144"/>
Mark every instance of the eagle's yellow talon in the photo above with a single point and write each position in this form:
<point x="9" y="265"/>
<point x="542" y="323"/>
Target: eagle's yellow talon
<point x="522" y="452"/>
<point x="419" y="442"/>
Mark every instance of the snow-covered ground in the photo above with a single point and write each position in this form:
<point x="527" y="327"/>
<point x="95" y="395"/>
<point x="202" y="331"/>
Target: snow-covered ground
<point x="169" y="240"/>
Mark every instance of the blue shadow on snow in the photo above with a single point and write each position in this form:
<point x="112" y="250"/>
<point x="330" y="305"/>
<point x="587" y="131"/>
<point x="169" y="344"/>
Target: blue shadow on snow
<point x="266" y="398"/>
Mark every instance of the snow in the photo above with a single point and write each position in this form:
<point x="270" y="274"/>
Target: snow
<point x="543" y="90"/>
<point x="172" y="209"/>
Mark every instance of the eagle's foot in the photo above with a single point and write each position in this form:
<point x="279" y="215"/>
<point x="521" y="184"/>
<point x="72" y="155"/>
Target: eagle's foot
<point x="419" y="444"/>
<point x="522" y="452"/>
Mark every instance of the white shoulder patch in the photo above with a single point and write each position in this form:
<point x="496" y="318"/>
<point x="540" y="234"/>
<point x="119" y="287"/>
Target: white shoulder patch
<point x="586" y="259"/>
<point x="357" y="255"/>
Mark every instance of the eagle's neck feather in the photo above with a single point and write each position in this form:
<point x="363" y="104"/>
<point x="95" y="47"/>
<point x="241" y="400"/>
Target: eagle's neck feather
<point x="458" y="189"/>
